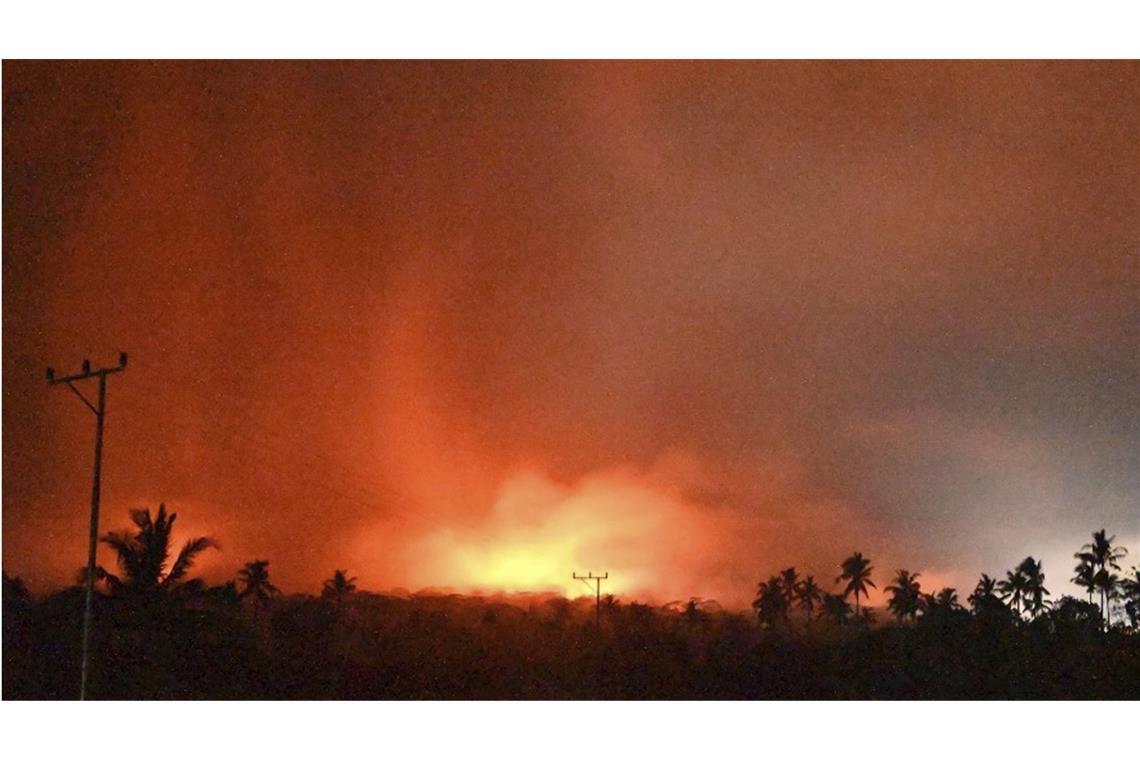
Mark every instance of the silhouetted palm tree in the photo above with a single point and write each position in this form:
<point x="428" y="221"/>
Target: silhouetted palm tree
<point x="255" y="581"/>
<point x="1107" y="584"/>
<point x="857" y="572"/>
<point x="905" y="595"/>
<point x="143" y="556"/>
<point x="836" y="609"/>
<point x="789" y="580"/>
<point x="1130" y="592"/>
<point x="1013" y="589"/>
<point x="1035" y="592"/>
<point x="948" y="598"/>
<point x="1104" y="557"/>
<point x="1085" y="573"/>
<point x="809" y="595"/>
<point x="940" y="608"/>
<point x="771" y="604"/>
<point x="339" y="586"/>
<point x="984" y="590"/>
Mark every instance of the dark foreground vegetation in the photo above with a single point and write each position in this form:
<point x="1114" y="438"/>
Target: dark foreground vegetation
<point x="160" y="636"/>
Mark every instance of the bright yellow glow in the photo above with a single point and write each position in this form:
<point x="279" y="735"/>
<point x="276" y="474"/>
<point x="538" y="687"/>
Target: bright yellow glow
<point x="522" y="566"/>
<point x="539" y="533"/>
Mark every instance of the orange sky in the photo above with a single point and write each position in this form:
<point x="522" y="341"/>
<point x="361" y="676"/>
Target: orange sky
<point x="455" y="324"/>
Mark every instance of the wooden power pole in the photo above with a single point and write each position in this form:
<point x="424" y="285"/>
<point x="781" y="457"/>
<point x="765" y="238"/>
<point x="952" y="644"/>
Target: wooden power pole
<point x="99" y="409"/>
<point x="597" y="579"/>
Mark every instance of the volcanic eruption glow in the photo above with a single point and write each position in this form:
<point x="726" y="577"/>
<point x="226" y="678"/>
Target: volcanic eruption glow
<point x="539" y="532"/>
<point x="450" y="324"/>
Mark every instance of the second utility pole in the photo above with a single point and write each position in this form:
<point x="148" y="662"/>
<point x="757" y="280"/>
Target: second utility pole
<point x="597" y="592"/>
<point x="93" y="537"/>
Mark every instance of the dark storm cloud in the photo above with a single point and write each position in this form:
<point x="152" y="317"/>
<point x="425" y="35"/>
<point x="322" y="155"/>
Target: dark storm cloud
<point x="351" y="287"/>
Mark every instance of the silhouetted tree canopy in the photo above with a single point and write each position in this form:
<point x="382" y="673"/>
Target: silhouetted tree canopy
<point x="144" y="555"/>
<point x="254" y="578"/>
<point x="339" y="586"/>
<point x="905" y="595"/>
<point x="857" y="572"/>
<point x="206" y="645"/>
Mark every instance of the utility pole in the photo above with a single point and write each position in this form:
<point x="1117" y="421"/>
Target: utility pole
<point x="597" y="579"/>
<point x="99" y="410"/>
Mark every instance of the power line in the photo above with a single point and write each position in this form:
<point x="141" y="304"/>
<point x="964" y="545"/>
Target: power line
<point x="99" y="409"/>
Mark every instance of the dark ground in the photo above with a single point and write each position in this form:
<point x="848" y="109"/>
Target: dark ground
<point x="210" y="645"/>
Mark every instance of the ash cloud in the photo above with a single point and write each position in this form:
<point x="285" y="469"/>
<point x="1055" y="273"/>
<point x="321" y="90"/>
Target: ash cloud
<point x="360" y="297"/>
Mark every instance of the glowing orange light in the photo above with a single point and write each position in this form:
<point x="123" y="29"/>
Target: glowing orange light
<point x="540" y="532"/>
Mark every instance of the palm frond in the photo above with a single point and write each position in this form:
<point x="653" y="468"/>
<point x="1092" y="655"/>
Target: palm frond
<point x="185" y="559"/>
<point x="141" y="518"/>
<point x="127" y="552"/>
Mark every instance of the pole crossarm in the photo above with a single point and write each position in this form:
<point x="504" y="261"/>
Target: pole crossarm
<point x="87" y="372"/>
<point x="85" y="375"/>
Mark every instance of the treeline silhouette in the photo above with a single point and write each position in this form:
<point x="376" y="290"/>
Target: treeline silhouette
<point x="162" y="635"/>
